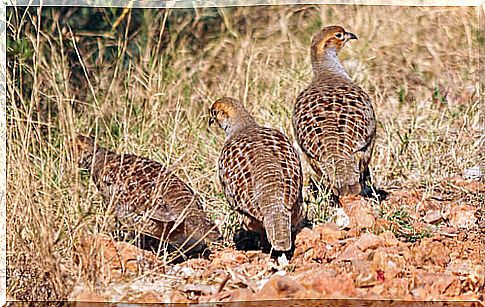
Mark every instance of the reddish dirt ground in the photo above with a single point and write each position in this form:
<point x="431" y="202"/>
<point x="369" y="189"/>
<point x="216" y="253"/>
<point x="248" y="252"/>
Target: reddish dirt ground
<point x="433" y="252"/>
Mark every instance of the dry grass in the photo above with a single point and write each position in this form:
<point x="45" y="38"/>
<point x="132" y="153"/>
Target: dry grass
<point x="420" y="65"/>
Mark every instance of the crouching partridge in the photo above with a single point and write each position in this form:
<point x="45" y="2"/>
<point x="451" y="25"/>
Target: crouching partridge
<point x="147" y="197"/>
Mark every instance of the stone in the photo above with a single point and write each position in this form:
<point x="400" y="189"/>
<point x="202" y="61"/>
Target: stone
<point x="330" y="232"/>
<point x="339" y="286"/>
<point x="462" y="216"/>
<point x="279" y="287"/>
<point x="359" y="211"/>
<point x="432" y="216"/>
<point x="87" y="298"/>
<point x="389" y="238"/>
<point x="369" y="241"/>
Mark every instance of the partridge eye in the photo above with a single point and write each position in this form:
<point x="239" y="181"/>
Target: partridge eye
<point x="339" y="35"/>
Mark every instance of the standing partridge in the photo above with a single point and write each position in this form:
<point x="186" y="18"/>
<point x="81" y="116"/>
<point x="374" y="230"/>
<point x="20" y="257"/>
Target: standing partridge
<point x="261" y="174"/>
<point x="147" y="197"/>
<point x="333" y="118"/>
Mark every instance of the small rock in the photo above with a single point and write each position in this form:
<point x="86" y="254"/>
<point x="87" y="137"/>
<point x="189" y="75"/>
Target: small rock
<point x="88" y="298"/>
<point x="282" y="261"/>
<point x="432" y="216"/>
<point x="365" y="276"/>
<point x="388" y="263"/>
<point x="449" y="231"/>
<point x="181" y="271"/>
<point x="149" y="298"/>
<point x="229" y="257"/>
<point x="428" y="251"/>
<point x="354" y="232"/>
<point x="463" y="267"/>
<point x="179" y="298"/>
<point x="363" y="219"/>
<point x="309" y="246"/>
<point x="306" y="234"/>
<point x="369" y="241"/>
<point x="377" y="291"/>
<point x="116" y="258"/>
<point x="389" y="238"/>
<point x="462" y="216"/>
<point x="241" y="295"/>
<point x="280" y="273"/>
<point x="359" y="211"/>
<point x="435" y="284"/>
<point x="474" y="173"/>
<point x="365" y="279"/>
<point x="308" y="277"/>
<point x="279" y="287"/>
<point x="339" y="286"/>
<point x="351" y="253"/>
<point x="330" y="232"/>
<point x="340" y="218"/>
<point x="397" y="288"/>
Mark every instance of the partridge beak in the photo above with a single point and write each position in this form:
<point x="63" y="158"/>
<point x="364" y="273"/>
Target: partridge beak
<point x="350" y="36"/>
<point x="211" y="121"/>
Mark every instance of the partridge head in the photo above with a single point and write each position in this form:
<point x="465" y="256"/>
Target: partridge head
<point x="230" y="115"/>
<point x="324" y="50"/>
<point x="330" y="38"/>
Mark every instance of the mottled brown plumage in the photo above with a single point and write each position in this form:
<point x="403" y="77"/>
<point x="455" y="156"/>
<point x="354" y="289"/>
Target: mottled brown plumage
<point x="333" y="118"/>
<point x="147" y="197"/>
<point x="261" y="174"/>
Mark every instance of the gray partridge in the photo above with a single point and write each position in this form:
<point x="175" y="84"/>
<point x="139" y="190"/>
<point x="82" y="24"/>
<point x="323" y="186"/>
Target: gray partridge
<point x="333" y="118"/>
<point x="261" y="174"/>
<point x="147" y="197"/>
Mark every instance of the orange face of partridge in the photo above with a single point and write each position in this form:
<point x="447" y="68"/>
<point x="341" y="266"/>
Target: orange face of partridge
<point x="230" y="115"/>
<point x="222" y="110"/>
<point x="85" y="149"/>
<point x="330" y="37"/>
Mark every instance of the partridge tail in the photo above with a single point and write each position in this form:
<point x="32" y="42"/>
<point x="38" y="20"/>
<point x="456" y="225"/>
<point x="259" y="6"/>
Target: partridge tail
<point x="277" y="224"/>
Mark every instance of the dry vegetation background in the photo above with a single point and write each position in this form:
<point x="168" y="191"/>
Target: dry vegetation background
<point x="143" y="80"/>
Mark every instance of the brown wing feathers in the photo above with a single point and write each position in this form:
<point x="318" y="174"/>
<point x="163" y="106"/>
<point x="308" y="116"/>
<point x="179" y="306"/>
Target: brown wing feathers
<point x="145" y="195"/>
<point x="333" y="118"/>
<point x="261" y="174"/>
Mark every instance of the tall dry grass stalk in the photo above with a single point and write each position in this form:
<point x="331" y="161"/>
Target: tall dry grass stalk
<point x="420" y="65"/>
